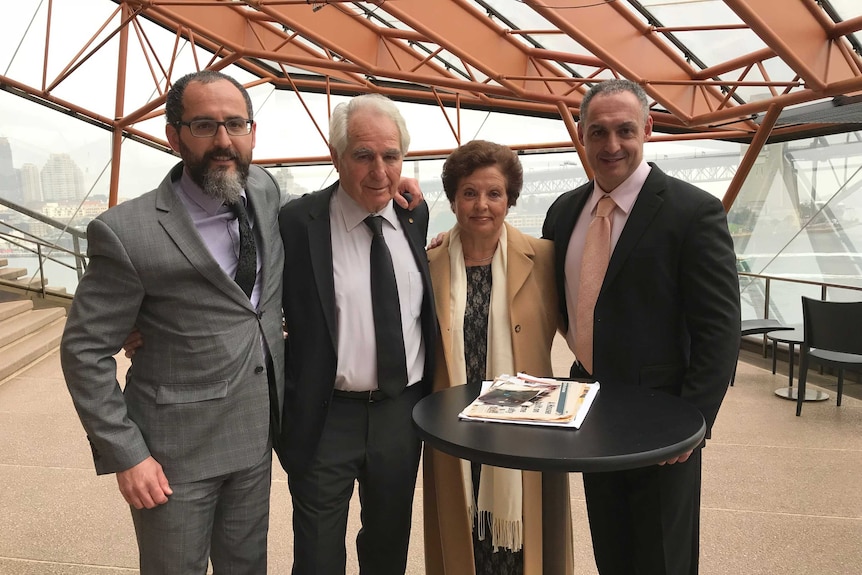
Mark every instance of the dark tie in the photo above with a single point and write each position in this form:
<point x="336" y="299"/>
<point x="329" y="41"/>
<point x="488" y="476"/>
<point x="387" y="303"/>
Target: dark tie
<point x="246" y="269"/>
<point x="391" y="362"/>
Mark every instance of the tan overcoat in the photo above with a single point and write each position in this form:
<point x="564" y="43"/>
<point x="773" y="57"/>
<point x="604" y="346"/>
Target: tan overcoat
<point x="533" y="315"/>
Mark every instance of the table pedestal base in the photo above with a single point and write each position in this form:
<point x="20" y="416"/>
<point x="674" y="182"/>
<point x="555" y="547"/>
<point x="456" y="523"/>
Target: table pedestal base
<point x="793" y="393"/>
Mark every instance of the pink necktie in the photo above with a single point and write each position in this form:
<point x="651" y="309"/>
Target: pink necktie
<point x="597" y="253"/>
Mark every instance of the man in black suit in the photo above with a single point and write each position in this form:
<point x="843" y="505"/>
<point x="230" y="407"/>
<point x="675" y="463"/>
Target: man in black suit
<point x="666" y="317"/>
<point x="343" y="422"/>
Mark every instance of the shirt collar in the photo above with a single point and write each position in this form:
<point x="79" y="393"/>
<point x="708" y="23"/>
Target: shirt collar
<point x="352" y="214"/>
<point x="626" y="193"/>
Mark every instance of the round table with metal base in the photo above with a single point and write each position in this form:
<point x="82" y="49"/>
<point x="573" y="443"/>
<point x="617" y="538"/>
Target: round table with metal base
<point x="793" y="393"/>
<point x="627" y="427"/>
<point x="792" y="337"/>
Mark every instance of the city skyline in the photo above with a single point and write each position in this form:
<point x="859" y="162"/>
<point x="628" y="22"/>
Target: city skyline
<point x="58" y="179"/>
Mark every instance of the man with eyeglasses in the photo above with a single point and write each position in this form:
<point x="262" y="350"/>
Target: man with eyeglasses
<point x="196" y="265"/>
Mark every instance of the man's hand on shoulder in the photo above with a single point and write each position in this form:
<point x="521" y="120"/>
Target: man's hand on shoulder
<point x="436" y="240"/>
<point x="409" y="186"/>
<point x="144" y="485"/>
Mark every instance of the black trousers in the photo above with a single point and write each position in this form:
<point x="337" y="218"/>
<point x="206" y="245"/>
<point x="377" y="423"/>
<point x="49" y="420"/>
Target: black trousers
<point x="376" y="445"/>
<point x="646" y="521"/>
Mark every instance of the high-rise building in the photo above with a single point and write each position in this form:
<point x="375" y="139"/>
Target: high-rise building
<point x="285" y="180"/>
<point x="62" y="179"/>
<point x="10" y="187"/>
<point x="31" y="186"/>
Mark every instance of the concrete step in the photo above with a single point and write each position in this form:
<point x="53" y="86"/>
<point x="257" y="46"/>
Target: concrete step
<point x="30" y="282"/>
<point x="28" y="322"/>
<point x="12" y="308"/>
<point x="12" y="273"/>
<point x="31" y="347"/>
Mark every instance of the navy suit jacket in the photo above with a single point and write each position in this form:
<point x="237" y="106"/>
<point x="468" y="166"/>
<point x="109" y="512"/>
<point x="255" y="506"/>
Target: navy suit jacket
<point x="309" y="315"/>
<point x="667" y="315"/>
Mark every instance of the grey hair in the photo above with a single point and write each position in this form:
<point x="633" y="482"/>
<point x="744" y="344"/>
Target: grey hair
<point x="615" y="86"/>
<point x="343" y="111"/>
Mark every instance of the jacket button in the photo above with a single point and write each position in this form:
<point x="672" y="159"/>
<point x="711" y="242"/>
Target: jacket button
<point x="518" y="328"/>
<point x="258" y="369"/>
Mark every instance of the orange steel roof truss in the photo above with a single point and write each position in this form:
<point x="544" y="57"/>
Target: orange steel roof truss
<point x="454" y="54"/>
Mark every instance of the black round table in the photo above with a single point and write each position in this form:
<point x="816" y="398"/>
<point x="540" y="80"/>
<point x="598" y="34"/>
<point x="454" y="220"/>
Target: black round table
<point x="627" y="427"/>
<point x="792" y="338"/>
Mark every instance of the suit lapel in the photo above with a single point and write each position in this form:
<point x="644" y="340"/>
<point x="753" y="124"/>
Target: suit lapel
<point x="520" y="263"/>
<point x="320" y="251"/>
<point x="567" y="216"/>
<point x="177" y="223"/>
<point x="644" y="210"/>
<point x="414" y="238"/>
<point x="257" y="203"/>
<point x="415" y="225"/>
<point x="441" y="280"/>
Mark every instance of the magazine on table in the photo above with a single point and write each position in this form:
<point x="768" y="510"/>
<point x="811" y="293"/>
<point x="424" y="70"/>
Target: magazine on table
<point x="530" y="400"/>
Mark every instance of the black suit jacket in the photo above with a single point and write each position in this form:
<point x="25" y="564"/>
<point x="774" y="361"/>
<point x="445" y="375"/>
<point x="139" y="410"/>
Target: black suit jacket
<point x="667" y="315"/>
<point x="309" y="315"/>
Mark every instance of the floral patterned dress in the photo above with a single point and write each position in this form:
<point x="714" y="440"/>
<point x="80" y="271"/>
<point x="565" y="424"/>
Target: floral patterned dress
<point x="488" y="561"/>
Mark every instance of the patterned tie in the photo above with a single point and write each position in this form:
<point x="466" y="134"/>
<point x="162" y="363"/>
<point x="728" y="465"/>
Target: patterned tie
<point x="391" y="362"/>
<point x="597" y="253"/>
<point x="246" y="269"/>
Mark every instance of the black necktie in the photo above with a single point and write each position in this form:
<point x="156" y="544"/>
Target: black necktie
<point x="246" y="269"/>
<point x="391" y="362"/>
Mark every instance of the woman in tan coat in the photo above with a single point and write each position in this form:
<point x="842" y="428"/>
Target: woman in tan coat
<point x="496" y="303"/>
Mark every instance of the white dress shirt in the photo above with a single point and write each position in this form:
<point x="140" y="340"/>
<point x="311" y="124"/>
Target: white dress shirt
<point x="351" y="265"/>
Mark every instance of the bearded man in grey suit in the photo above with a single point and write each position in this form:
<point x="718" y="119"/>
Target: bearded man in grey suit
<point x="190" y="436"/>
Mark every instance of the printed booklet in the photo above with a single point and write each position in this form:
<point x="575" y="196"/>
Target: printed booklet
<point x="532" y="400"/>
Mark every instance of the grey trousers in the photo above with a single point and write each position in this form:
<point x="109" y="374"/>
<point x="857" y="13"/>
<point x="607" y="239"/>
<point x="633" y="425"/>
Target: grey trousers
<point x="225" y="519"/>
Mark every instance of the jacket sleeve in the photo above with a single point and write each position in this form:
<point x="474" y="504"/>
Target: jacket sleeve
<point x="102" y="314"/>
<point x="710" y="293"/>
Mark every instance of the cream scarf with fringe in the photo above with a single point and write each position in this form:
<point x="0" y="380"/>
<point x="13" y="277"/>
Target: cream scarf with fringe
<point x="500" y="490"/>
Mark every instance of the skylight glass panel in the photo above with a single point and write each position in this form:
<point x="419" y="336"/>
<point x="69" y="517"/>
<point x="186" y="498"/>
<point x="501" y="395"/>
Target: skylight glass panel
<point x="847" y="10"/>
<point x="711" y="47"/>
<point x="522" y="17"/>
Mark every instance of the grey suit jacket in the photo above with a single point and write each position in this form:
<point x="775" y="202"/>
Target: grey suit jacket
<point x="197" y="396"/>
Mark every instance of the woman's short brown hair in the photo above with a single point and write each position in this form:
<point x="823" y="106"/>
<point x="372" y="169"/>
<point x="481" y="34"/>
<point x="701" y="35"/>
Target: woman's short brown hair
<point x="469" y="157"/>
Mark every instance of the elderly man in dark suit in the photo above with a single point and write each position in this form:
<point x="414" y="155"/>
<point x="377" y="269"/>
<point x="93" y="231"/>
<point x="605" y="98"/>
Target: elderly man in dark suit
<point x="665" y="315"/>
<point x="349" y="396"/>
<point x="196" y="266"/>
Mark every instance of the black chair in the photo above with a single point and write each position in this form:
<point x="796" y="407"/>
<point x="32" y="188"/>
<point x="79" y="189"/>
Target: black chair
<point x="832" y="337"/>
<point x="754" y="327"/>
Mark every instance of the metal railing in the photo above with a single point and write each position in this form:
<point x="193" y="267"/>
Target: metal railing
<point x="42" y="249"/>
<point x="769" y="306"/>
<point x="768" y="279"/>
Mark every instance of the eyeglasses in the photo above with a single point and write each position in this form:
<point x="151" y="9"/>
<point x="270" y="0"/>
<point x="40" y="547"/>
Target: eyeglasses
<point x="209" y="128"/>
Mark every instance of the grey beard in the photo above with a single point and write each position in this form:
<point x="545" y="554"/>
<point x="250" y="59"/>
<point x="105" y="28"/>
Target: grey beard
<point x="225" y="185"/>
